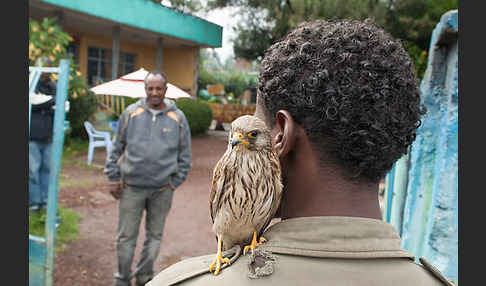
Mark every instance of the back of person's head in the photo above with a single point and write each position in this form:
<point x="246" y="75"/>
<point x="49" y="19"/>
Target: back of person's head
<point x="154" y="73"/>
<point x="351" y="87"/>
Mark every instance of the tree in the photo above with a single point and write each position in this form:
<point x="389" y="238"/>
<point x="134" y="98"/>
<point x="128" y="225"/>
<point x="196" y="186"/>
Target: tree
<point x="212" y="71"/>
<point x="413" y="21"/>
<point x="265" y="21"/>
<point x="47" y="39"/>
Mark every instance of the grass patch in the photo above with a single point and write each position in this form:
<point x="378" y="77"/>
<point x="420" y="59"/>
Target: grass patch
<point x="66" y="232"/>
<point x="73" y="148"/>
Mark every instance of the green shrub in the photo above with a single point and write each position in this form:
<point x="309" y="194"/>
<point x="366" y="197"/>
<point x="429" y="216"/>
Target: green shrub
<point x="130" y="100"/>
<point x="81" y="110"/>
<point x="215" y="99"/>
<point x="199" y="115"/>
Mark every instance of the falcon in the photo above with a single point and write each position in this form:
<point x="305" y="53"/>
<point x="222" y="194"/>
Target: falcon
<point x="246" y="188"/>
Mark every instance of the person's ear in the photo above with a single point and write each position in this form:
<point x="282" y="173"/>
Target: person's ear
<point x="285" y="135"/>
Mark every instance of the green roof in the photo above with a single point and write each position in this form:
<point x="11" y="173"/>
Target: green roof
<point x="147" y="15"/>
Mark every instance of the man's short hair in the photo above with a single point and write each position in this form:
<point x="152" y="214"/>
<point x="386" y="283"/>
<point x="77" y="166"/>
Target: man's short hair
<point x="351" y="86"/>
<point x="156" y="72"/>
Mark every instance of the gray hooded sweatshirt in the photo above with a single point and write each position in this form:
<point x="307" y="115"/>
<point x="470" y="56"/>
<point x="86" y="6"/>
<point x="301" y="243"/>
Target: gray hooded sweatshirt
<point x="150" y="151"/>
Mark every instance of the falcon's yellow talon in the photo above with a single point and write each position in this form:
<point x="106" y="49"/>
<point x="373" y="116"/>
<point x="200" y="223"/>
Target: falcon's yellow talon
<point x="245" y="250"/>
<point x="216" y="265"/>
<point x="253" y="243"/>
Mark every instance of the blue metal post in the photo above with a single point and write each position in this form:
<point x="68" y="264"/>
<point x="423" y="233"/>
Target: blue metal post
<point x="396" y="190"/>
<point x="389" y="185"/>
<point x="56" y="159"/>
<point x="427" y="214"/>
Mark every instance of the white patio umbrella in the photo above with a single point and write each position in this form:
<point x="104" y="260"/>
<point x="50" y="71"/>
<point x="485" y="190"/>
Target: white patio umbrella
<point x="132" y="85"/>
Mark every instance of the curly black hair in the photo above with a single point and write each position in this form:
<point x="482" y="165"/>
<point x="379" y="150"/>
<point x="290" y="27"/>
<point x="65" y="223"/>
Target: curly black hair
<point x="353" y="89"/>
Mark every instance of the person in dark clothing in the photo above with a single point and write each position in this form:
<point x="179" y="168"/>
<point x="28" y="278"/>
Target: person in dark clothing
<point x="43" y="102"/>
<point x="40" y="141"/>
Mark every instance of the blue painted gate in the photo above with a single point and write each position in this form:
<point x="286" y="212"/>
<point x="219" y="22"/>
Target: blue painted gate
<point x="421" y="197"/>
<point x="41" y="249"/>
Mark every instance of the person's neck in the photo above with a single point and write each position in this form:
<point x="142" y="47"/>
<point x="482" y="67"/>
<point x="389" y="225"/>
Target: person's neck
<point x="315" y="190"/>
<point x="158" y="107"/>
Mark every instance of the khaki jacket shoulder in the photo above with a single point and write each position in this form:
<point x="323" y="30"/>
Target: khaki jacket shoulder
<point x="314" y="251"/>
<point x="299" y="270"/>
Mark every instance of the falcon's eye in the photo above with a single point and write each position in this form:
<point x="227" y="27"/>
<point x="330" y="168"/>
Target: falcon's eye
<point x="252" y="134"/>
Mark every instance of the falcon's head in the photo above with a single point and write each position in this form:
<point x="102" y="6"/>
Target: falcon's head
<point x="249" y="132"/>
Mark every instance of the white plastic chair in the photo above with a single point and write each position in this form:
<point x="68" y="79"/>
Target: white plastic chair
<point x="114" y="127"/>
<point x="97" y="139"/>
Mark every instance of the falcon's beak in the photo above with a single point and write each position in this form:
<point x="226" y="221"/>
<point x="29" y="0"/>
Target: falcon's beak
<point x="237" y="139"/>
<point x="235" y="142"/>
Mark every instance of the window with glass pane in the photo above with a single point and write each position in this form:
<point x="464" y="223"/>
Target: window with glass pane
<point x="99" y="65"/>
<point x="127" y="63"/>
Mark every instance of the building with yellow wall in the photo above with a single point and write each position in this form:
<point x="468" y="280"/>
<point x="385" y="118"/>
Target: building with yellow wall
<point x="115" y="37"/>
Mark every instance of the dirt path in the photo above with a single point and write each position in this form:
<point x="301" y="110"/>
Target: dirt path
<point x="91" y="259"/>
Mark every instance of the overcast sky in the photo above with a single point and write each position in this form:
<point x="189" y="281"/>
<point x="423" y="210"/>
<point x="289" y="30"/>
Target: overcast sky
<point x="223" y="18"/>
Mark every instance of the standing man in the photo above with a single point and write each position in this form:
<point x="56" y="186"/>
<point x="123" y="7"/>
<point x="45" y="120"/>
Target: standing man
<point x="150" y="158"/>
<point x="41" y="130"/>
<point x="342" y="102"/>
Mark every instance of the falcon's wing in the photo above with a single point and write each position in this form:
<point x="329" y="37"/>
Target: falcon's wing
<point x="274" y="173"/>
<point x="217" y="185"/>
